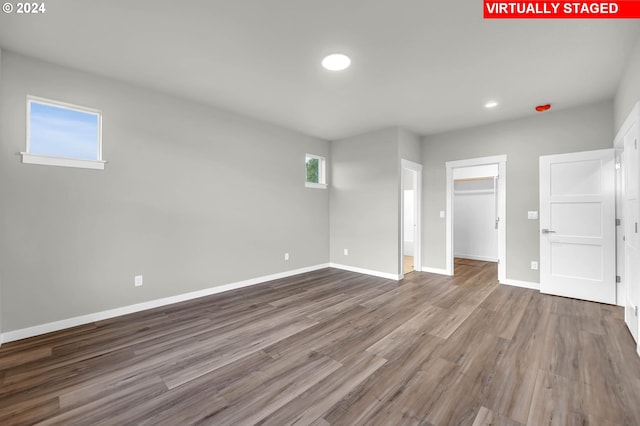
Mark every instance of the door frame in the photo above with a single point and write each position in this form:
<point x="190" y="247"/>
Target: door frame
<point x="417" y="253"/>
<point x="621" y="291"/>
<point x="501" y="161"/>
<point x="624" y="287"/>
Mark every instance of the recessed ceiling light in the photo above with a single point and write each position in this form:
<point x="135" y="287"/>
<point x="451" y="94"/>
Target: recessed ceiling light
<point x="491" y="104"/>
<point x="336" y="62"/>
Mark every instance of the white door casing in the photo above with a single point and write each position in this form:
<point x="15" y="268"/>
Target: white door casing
<point x="577" y="225"/>
<point x="416" y="168"/>
<point x="630" y="224"/>
<point x="501" y="197"/>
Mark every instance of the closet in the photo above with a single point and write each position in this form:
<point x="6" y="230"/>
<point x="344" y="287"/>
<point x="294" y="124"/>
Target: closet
<point x="475" y="208"/>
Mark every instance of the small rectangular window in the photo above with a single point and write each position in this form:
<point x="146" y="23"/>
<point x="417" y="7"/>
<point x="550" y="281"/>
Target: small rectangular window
<point x="316" y="173"/>
<point x="60" y="134"/>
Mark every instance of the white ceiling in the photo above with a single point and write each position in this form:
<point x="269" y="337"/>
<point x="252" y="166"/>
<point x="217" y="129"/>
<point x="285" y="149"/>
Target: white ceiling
<point x="428" y="65"/>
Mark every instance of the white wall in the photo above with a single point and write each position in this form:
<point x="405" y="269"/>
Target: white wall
<point x="192" y="197"/>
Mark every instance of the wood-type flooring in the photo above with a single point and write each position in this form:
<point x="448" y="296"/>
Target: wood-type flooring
<point x="332" y="347"/>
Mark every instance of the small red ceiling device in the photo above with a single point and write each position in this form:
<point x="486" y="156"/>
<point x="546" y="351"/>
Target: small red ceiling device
<point x="543" y="108"/>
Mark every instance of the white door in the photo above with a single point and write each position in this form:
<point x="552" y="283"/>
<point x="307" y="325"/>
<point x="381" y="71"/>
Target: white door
<point x="630" y="228"/>
<point x="577" y="225"/>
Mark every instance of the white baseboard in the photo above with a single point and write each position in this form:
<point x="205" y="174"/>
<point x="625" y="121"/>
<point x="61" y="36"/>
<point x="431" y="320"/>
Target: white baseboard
<point x="435" y="271"/>
<point x="24" y="333"/>
<point x="366" y="271"/>
<point x="474" y="257"/>
<point x="523" y="284"/>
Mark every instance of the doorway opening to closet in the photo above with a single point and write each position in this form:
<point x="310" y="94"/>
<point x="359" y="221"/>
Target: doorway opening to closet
<point x="410" y="214"/>
<point x="476" y="212"/>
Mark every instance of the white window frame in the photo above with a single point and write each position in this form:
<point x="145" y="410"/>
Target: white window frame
<point x="322" y="172"/>
<point x="48" y="160"/>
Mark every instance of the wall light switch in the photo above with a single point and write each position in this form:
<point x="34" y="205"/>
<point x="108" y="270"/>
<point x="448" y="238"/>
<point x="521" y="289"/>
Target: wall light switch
<point x="346" y="252"/>
<point x="532" y="215"/>
<point x="534" y="265"/>
<point x="286" y="256"/>
<point x="441" y="214"/>
<point x="137" y="281"/>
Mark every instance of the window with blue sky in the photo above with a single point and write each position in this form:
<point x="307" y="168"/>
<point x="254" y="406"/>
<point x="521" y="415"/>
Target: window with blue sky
<point x="58" y="130"/>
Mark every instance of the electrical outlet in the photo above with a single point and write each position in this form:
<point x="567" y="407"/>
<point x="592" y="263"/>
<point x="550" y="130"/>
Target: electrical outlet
<point x="137" y="280"/>
<point x="532" y="215"/>
<point x="286" y="256"/>
<point x="441" y="214"/>
<point x="346" y="252"/>
<point x="534" y="265"/>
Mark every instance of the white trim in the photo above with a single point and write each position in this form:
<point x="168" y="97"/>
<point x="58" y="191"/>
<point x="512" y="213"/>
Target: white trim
<point x="315" y="185"/>
<point x="395" y="277"/>
<point x="501" y="160"/>
<point x="474" y="257"/>
<point x="98" y="316"/>
<point x="477" y="161"/>
<point x="61" y="161"/>
<point x="322" y="171"/>
<point x="523" y="284"/>
<point x="417" y="250"/>
<point x="618" y="142"/>
<point x="46" y="160"/>
<point x="472" y="191"/>
<point x="435" y="271"/>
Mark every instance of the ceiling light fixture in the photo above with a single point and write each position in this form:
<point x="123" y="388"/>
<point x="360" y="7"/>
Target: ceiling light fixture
<point x="491" y="104"/>
<point x="336" y="62"/>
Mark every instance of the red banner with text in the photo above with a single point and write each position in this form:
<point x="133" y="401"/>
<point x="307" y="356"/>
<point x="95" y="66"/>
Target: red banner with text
<point x="624" y="9"/>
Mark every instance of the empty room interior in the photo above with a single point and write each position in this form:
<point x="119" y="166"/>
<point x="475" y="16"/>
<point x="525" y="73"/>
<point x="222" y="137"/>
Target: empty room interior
<point x="323" y="213"/>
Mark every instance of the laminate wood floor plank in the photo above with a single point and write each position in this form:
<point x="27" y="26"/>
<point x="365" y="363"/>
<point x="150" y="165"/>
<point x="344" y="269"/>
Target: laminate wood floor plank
<point x="201" y="398"/>
<point x="99" y="411"/>
<point x="312" y="404"/>
<point x="187" y="369"/>
<point x="31" y="413"/>
<point x="332" y="347"/>
<point x="364" y="402"/>
<point x="320" y="335"/>
<point x="562" y="356"/>
<point x="42" y="340"/>
<point x="487" y="417"/>
<point x="268" y="398"/>
<point x="510" y="391"/>
<point x="423" y="398"/>
<point x="19" y="388"/>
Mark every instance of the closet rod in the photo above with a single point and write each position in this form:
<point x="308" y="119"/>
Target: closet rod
<point x="473" y="179"/>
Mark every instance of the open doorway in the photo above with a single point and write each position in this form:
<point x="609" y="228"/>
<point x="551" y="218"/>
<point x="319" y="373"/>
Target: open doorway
<point x="484" y="181"/>
<point x="410" y="217"/>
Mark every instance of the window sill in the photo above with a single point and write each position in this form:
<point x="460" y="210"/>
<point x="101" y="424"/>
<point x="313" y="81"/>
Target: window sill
<point x="315" y="185"/>
<point x="46" y="160"/>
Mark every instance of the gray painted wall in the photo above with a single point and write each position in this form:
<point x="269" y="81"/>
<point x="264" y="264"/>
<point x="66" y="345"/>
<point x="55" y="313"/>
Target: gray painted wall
<point x="409" y="146"/>
<point x="629" y="89"/>
<point x="523" y="141"/>
<point x="364" y="201"/>
<point x="192" y="197"/>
